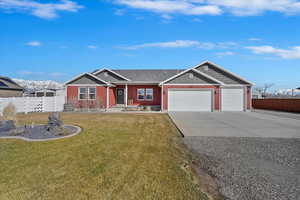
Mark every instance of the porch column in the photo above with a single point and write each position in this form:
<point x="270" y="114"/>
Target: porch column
<point x="126" y="95"/>
<point x="107" y="97"/>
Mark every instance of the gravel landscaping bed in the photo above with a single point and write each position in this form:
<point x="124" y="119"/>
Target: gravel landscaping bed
<point x="251" y="168"/>
<point x="40" y="132"/>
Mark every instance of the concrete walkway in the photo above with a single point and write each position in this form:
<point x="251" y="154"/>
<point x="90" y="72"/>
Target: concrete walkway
<point x="236" y="124"/>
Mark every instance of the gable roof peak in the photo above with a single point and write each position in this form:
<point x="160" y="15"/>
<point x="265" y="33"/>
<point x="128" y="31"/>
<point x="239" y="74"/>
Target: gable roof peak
<point x="89" y="74"/>
<point x="111" y="71"/>
<point x="222" y="69"/>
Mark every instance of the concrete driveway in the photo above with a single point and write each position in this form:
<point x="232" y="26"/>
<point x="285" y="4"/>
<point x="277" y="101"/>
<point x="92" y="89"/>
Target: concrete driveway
<point x="253" y="156"/>
<point x="235" y="124"/>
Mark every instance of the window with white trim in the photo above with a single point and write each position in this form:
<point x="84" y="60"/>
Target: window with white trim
<point x="92" y="93"/>
<point x="87" y="93"/>
<point x="141" y="94"/>
<point x="149" y="94"/>
<point x="145" y="94"/>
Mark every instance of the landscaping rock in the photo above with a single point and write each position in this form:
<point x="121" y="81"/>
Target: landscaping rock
<point x="55" y="124"/>
<point x="7" y="125"/>
<point x="54" y="120"/>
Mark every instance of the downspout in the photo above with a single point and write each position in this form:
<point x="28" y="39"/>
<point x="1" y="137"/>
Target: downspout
<point x="162" y="98"/>
<point x="107" y="98"/>
<point x="126" y="95"/>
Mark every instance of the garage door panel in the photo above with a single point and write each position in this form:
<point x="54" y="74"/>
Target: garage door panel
<point x="232" y="99"/>
<point x="190" y="100"/>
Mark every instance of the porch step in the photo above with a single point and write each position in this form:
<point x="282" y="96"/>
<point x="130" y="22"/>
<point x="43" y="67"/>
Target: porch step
<point x="68" y="107"/>
<point x="115" y="109"/>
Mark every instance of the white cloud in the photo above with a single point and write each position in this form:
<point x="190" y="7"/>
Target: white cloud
<point x="197" y="20"/>
<point x="42" y="10"/>
<point x="227" y="45"/>
<point x="57" y="74"/>
<point x="92" y="47"/>
<point x="184" y="44"/>
<point x="166" y="16"/>
<point x="171" y="44"/>
<point x="291" y="53"/>
<point x="254" y="39"/>
<point x="256" y="7"/>
<point x="37" y="73"/>
<point x="187" y="7"/>
<point x="119" y="12"/>
<point x="28" y="73"/>
<point x="214" y="7"/>
<point x="34" y="43"/>
<point x="226" y="53"/>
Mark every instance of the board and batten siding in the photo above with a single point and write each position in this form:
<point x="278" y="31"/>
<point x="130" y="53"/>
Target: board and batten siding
<point x="72" y="97"/>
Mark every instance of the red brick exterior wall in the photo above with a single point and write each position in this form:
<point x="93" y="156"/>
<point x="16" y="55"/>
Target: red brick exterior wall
<point x="216" y="93"/>
<point x="289" y="105"/>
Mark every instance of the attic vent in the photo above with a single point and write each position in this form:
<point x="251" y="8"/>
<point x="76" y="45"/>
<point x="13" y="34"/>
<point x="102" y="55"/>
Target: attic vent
<point x="106" y="74"/>
<point x="191" y="75"/>
<point x="205" y="67"/>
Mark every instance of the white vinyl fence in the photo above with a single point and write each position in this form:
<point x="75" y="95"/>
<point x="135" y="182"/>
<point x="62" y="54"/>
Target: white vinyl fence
<point x="34" y="104"/>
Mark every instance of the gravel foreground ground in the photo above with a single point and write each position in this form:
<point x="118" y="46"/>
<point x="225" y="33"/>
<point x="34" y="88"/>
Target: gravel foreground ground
<point x="251" y="168"/>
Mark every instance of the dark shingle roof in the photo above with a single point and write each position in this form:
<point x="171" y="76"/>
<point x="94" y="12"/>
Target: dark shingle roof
<point x="148" y="75"/>
<point x="7" y="83"/>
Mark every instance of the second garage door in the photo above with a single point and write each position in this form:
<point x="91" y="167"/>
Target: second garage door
<point x="232" y="99"/>
<point x="189" y="100"/>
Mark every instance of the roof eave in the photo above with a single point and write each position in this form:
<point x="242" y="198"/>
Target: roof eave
<point x="89" y="74"/>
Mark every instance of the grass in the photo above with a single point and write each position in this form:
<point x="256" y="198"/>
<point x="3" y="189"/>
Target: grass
<point x="117" y="156"/>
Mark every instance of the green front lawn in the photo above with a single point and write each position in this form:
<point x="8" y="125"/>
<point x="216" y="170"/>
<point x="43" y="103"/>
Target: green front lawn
<point x="117" y="156"/>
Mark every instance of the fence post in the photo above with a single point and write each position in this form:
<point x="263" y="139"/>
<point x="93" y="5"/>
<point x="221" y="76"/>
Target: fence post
<point x="1" y="107"/>
<point x="55" y="108"/>
<point x="25" y="105"/>
<point x="43" y="104"/>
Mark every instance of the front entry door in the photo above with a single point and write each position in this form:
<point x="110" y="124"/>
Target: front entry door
<point x="120" y="96"/>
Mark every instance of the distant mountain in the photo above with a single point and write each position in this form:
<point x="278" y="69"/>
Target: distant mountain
<point x="31" y="85"/>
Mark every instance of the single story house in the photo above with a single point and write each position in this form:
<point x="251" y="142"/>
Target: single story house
<point x="9" y="88"/>
<point x="204" y="87"/>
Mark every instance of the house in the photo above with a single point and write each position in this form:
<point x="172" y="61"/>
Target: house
<point x="204" y="87"/>
<point x="9" y="88"/>
<point x="47" y="93"/>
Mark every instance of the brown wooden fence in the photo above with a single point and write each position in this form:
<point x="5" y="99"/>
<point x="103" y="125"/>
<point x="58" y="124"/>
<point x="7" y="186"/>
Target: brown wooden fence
<point x="289" y="105"/>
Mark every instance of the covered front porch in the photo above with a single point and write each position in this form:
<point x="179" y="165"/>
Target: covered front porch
<point x="134" y="97"/>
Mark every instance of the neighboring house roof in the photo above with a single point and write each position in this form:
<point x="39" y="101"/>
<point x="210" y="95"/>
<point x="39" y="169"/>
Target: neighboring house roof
<point x="7" y="83"/>
<point x="298" y="88"/>
<point x="204" y="73"/>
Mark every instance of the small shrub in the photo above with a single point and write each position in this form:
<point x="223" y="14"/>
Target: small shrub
<point x="9" y="112"/>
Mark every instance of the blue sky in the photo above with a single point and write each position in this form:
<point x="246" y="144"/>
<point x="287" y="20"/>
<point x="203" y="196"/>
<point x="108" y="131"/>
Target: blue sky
<point x="58" y="39"/>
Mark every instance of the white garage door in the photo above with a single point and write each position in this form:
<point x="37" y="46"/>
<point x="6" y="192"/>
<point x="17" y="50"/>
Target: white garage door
<point x="190" y="100"/>
<point x="232" y="99"/>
